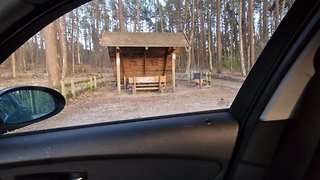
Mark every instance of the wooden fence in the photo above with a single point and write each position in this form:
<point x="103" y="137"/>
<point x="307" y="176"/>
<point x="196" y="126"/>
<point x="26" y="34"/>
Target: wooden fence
<point x="194" y="75"/>
<point x="72" y="87"/>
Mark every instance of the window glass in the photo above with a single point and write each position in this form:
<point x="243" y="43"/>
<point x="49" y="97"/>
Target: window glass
<point x="118" y="60"/>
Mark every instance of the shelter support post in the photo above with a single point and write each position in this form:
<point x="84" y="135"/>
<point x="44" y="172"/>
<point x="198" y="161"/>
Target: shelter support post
<point x="174" y="56"/>
<point x="144" y="60"/>
<point x="118" y="70"/>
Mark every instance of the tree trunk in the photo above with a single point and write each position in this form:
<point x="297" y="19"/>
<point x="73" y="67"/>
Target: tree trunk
<point x="242" y="60"/>
<point x="244" y="30"/>
<point x="234" y="27"/>
<point x="72" y="43"/>
<point x="32" y="56"/>
<point x="219" y="49"/>
<point x="282" y="9"/>
<point x="137" y="23"/>
<point x="202" y="33"/>
<point x="13" y="63"/>
<point x="52" y="61"/>
<point x="22" y="58"/>
<point x="41" y="55"/>
<point x="179" y="20"/>
<point x="251" y="33"/>
<point x="276" y="13"/>
<point x="78" y="43"/>
<point x="63" y="47"/>
<point x="184" y="25"/>
<point x="210" y="37"/>
<point x="265" y="22"/>
<point x="121" y="20"/>
<point x="159" y="9"/>
<point x="95" y="35"/>
<point x="190" y="50"/>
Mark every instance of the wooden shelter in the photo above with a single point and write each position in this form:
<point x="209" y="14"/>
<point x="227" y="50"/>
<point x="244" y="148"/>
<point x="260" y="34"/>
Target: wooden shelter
<point x="145" y="58"/>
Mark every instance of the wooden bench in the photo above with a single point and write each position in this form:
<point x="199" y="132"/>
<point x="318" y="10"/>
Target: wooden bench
<point x="147" y="83"/>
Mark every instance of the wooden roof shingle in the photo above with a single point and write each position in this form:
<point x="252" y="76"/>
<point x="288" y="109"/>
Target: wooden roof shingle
<point x="144" y="39"/>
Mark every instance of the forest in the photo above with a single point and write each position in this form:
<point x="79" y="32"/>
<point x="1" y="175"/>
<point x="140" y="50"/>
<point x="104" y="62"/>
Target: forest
<point x="225" y="36"/>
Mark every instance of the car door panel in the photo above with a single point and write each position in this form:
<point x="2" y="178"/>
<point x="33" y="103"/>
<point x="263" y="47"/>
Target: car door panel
<point x="121" y="169"/>
<point x="191" y="145"/>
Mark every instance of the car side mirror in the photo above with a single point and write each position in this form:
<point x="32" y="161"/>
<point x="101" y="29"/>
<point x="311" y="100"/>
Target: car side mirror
<point x="24" y="105"/>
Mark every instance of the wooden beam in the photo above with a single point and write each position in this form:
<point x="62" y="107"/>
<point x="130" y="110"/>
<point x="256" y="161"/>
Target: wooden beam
<point x="123" y="68"/>
<point x="174" y="56"/>
<point x="171" y="51"/>
<point x="144" y="61"/>
<point x="165" y="62"/>
<point x="118" y="70"/>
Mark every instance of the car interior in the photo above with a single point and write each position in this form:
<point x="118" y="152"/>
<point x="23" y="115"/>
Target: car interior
<point x="271" y="131"/>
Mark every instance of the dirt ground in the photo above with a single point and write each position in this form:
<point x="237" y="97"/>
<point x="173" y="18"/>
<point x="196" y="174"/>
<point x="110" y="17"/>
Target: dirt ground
<point x="104" y="105"/>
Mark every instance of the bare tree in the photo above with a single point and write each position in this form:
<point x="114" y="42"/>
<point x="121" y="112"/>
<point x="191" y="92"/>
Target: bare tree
<point x="283" y="4"/>
<point x="202" y="33"/>
<point x="159" y="9"/>
<point x="121" y="19"/>
<point x="265" y="22"/>
<point x="242" y="61"/>
<point x="13" y="64"/>
<point x="210" y="37"/>
<point x="219" y="48"/>
<point x="137" y="20"/>
<point x="53" y="66"/>
<point x="251" y="34"/>
<point x="190" y="50"/>
<point x="78" y="42"/>
<point x="72" y="41"/>
<point x="276" y="13"/>
<point x="63" y="47"/>
<point x="22" y="58"/>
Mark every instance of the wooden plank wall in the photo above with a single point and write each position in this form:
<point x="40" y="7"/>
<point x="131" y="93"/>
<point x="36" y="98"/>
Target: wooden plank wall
<point x="132" y="62"/>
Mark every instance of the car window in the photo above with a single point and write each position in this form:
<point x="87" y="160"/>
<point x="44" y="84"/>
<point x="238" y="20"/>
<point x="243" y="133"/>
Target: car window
<point x="120" y="60"/>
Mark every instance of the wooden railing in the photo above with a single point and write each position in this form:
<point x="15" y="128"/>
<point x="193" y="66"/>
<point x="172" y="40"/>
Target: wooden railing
<point x="194" y="75"/>
<point x="72" y="87"/>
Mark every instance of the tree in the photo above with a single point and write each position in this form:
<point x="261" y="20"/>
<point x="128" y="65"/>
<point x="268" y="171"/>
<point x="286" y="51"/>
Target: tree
<point x="13" y="63"/>
<point x="22" y="58"/>
<point x="63" y="46"/>
<point x="159" y="10"/>
<point x="72" y="39"/>
<point x="242" y="61"/>
<point x="77" y="41"/>
<point x="276" y="13"/>
<point x="190" y="50"/>
<point x="202" y="33"/>
<point x="121" y="20"/>
<point x="52" y="61"/>
<point x="265" y="22"/>
<point x="251" y="34"/>
<point x="283" y="5"/>
<point x="210" y="37"/>
<point x="219" y="49"/>
<point x="95" y="27"/>
<point x="137" y="20"/>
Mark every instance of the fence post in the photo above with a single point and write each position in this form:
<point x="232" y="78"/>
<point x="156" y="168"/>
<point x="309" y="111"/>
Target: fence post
<point x="73" y="90"/>
<point x="191" y="75"/>
<point x="201" y="79"/>
<point x="63" y="89"/>
<point x="95" y="82"/>
<point x="90" y="83"/>
<point x="207" y="79"/>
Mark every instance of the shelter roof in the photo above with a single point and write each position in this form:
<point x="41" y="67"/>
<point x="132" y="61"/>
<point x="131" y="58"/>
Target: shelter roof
<point x="144" y="39"/>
